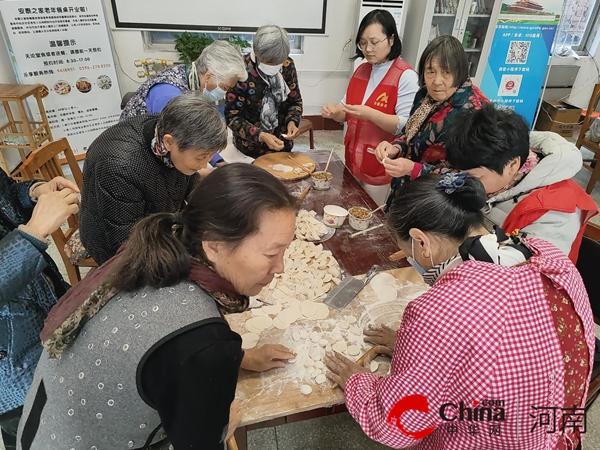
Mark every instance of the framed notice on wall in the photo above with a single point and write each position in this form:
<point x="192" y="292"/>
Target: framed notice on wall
<point x="65" y="47"/>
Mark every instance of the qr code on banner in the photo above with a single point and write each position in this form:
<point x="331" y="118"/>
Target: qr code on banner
<point x="518" y="52"/>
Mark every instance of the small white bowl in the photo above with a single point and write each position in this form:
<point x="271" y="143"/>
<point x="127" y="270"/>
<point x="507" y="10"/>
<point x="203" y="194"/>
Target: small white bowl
<point x="357" y="223"/>
<point x="334" y="216"/>
<point x="322" y="184"/>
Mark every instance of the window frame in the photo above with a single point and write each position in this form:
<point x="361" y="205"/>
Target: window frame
<point x="151" y="45"/>
<point x="589" y="34"/>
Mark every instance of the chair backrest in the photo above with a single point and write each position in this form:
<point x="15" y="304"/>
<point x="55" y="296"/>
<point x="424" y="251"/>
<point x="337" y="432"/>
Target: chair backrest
<point x="587" y="122"/>
<point x="44" y="160"/>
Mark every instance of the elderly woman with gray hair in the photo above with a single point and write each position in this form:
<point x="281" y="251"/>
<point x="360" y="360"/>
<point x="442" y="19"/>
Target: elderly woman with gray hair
<point x="144" y="165"/>
<point x="264" y="111"/>
<point x="217" y="69"/>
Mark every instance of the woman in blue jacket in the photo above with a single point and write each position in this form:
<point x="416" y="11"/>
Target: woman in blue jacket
<point x="30" y="283"/>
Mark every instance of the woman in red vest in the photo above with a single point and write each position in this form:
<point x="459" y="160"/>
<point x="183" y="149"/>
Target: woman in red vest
<point x="377" y="102"/>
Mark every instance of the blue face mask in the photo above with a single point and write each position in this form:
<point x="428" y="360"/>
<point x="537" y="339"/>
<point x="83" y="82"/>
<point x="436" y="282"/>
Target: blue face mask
<point x="217" y="94"/>
<point x="413" y="262"/>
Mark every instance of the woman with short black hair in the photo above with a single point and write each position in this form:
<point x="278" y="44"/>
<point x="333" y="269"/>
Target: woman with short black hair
<point x="445" y="91"/>
<point x="377" y="102"/>
<point x="142" y="344"/>
<point x="506" y="320"/>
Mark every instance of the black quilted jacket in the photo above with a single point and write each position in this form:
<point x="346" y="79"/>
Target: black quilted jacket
<point x="123" y="181"/>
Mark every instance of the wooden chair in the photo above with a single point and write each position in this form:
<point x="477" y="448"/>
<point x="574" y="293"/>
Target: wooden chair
<point x="307" y="125"/>
<point x="590" y="164"/>
<point x="44" y="161"/>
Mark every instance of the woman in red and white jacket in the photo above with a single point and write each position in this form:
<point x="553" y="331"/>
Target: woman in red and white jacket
<point x="378" y="100"/>
<point x="506" y="326"/>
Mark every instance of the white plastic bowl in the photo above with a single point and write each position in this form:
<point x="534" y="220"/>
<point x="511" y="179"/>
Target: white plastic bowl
<point x="334" y="216"/>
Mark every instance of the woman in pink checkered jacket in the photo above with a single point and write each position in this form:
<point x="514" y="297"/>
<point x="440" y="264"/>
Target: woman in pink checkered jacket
<point x="496" y="355"/>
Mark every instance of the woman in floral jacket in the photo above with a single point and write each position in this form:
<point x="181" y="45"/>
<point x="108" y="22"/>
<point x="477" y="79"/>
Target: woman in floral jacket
<point x="264" y="112"/>
<point x="446" y="91"/>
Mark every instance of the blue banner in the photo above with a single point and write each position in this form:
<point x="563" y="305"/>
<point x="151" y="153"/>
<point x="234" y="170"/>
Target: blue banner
<point x="516" y="68"/>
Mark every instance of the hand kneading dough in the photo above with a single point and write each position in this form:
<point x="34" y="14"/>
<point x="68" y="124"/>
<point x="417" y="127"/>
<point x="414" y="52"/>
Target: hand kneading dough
<point x="249" y="340"/>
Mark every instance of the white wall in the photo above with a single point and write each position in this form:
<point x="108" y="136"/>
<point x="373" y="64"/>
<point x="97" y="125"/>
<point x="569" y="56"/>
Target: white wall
<point x="323" y="70"/>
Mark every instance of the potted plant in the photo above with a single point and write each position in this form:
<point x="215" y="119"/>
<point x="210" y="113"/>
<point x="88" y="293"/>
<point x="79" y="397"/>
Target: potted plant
<point x="190" y="45"/>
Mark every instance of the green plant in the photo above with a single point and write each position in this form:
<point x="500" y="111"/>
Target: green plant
<point x="190" y="45"/>
<point x="240" y="42"/>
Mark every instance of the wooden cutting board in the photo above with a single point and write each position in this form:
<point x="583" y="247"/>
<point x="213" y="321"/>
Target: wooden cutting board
<point x="272" y="159"/>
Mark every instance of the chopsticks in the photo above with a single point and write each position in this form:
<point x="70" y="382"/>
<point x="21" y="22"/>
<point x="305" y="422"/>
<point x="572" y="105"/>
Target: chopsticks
<point x="361" y="360"/>
<point x="375" y="210"/>
<point x="298" y="164"/>
<point x="328" y="160"/>
<point x="304" y="192"/>
<point x="367" y="230"/>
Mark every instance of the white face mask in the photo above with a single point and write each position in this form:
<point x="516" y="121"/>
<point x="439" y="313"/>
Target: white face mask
<point x="270" y="70"/>
<point x="217" y="94"/>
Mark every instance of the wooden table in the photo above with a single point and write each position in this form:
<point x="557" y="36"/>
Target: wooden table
<point x="274" y="398"/>
<point x="355" y="255"/>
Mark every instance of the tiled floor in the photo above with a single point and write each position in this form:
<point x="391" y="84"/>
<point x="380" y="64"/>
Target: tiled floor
<point x="341" y="431"/>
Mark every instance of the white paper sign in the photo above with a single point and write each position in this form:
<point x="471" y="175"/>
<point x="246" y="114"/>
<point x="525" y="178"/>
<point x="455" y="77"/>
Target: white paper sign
<point x="64" y="46"/>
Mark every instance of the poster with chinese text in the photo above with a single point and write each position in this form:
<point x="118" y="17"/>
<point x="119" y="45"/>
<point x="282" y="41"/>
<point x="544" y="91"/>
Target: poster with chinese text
<point x="516" y="68"/>
<point x="65" y="47"/>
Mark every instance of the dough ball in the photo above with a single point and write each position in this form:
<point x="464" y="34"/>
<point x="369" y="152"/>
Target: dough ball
<point x="320" y="379"/>
<point x="337" y="335"/>
<point x="343" y="325"/>
<point x="322" y="312"/>
<point x="319" y="365"/>
<point x="355" y="331"/>
<point x="374" y="366"/>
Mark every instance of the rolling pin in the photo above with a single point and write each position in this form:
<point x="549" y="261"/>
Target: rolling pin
<point x="397" y="256"/>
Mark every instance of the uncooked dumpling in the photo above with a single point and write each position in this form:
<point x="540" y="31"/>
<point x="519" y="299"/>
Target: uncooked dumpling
<point x="374" y="366"/>
<point x="320" y="379"/>
<point x="343" y="325"/>
<point x="249" y="340"/>
<point x="259" y="323"/>
<point x="350" y="319"/>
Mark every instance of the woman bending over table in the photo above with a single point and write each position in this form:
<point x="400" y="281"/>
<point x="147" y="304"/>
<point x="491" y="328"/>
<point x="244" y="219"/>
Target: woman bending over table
<point x="506" y="320"/>
<point x="142" y="342"/>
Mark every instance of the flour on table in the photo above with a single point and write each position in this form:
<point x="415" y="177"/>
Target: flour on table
<point x="283" y="168"/>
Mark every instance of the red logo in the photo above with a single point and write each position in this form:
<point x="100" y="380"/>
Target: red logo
<point x="510" y="85"/>
<point x="415" y="402"/>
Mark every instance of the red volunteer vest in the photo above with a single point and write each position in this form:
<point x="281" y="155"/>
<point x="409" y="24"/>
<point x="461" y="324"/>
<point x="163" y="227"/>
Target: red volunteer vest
<point x="564" y="196"/>
<point x="362" y="134"/>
